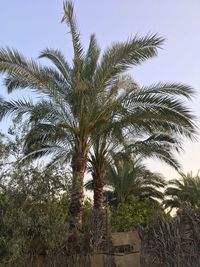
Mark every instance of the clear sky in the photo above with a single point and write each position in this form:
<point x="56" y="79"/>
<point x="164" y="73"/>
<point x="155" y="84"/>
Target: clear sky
<point x="32" y="25"/>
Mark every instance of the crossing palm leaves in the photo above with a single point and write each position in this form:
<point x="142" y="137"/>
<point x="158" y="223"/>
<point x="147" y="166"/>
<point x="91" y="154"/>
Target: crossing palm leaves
<point x="183" y="191"/>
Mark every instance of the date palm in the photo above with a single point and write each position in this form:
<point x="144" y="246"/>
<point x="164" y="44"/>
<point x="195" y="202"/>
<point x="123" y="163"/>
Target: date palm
<point x="183" y="191"/>
<point x="104" y="148"/>
<point x="79" y="98"/>
<point x="129" y="178"/>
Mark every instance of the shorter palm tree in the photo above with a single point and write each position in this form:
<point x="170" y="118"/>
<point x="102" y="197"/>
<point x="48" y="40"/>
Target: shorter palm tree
<point x="127" y="179"/>
<point x="183" y="191"/>
<point x="130" y="178"/>
<point x="160" y="146"/>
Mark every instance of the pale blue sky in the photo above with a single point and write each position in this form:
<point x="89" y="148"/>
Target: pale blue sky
<point x="32" y="25"/>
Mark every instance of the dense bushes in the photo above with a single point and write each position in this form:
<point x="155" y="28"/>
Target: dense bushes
<point x="128" y="216"/>
<point x="33" y="220"/>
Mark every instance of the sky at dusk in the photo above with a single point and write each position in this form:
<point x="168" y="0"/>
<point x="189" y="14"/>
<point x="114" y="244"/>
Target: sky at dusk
<point x="32" y="25"/>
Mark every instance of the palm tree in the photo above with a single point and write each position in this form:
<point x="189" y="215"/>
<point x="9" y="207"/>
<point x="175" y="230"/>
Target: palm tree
<point x="104" y="148"/>
<point x="80" y="98"/>
<point x="98" y="161"/>
<point x="183" y="191"/>
<point x="129" y="178"/>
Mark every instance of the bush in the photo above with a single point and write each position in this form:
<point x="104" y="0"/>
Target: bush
<point x="128" y="216"/>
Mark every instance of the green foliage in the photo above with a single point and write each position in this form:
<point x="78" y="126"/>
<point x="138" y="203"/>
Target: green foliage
<point x="87" y="208"/>
<point x="130" y="178"/>
<point x="33" y="217"/>
<point x="129" y="216"/>
<point x="184" y="191"/>
<point x="33" y="204"/>
<point x="30" y="228"/>
<point x="135" y="192"/>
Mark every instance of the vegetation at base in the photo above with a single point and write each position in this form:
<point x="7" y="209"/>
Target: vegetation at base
<point x="136" y="213"/>
<point x="33" y="212"/>
<point x="34" y="204"/>
<point x="172" y="242"/>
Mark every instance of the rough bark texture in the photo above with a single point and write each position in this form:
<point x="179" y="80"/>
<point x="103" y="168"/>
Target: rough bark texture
<point x="98" y="238"/>
<point x="98" y="185"/>
<point x="76" y="205"/>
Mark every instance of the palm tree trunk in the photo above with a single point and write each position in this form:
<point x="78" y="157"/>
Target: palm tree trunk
<point x="98" y="185"/>
<point x="76" y="205"/>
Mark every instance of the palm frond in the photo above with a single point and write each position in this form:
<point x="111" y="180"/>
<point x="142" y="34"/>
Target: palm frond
<point x="59" y="61"/>
<point x="22" y="73"/>
<point x="60" y="159"/>
<point x="182" y="191"/>
<point x="91" y="58"/>
<point x="169" y="89"/>
<point x="15" y="107"/>
<point x="50" y="112"/>
<point x="47" y="135"/>
<point x="158" y="151"/>
<point x="51" y="150"/>
<point x="70" y="19"/>
<point x="120" y="56"/>
<point x="130" y="179"/>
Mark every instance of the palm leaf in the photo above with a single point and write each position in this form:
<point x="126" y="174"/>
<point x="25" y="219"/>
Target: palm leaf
<point x="70" y="19"/>
<point x="120" y="56"/>
<point x="15" y="107"/>
<point x="59" y="61"/>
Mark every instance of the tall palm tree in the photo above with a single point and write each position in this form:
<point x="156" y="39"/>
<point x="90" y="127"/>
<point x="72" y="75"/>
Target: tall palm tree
<point x="183" y="191"/>
<point x="78" y="99"/>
